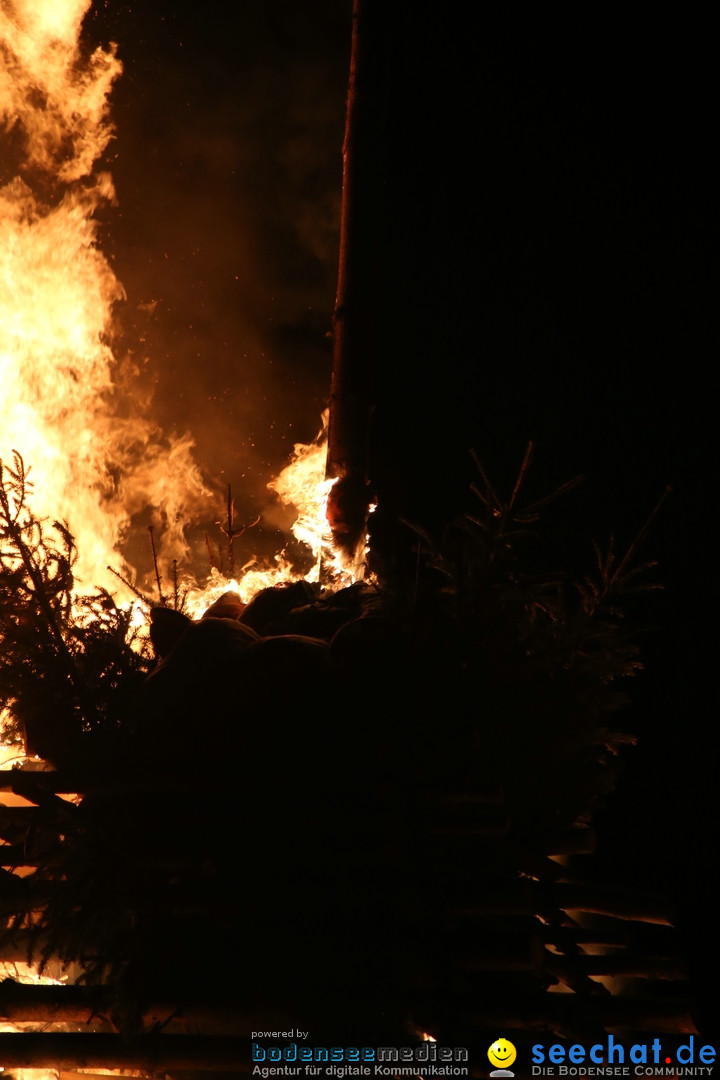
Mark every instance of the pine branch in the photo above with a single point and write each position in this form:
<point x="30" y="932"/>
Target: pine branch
<point x="15" y="528"/>
<point x="157" y="568"/>
<point x="129" y="585"/>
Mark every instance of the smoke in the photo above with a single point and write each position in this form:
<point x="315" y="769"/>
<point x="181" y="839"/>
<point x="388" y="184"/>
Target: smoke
<point x="228" y="170"/>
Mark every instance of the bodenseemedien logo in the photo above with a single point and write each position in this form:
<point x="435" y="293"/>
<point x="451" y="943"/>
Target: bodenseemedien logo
<point x="501" y="1054"/>
<point x="428" y="1059"/>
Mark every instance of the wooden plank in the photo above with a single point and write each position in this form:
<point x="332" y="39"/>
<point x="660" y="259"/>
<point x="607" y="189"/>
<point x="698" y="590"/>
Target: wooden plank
<point x="64" y="782"/>
<point x="577" y="841"/>
<point x="536" y="898"/>
<point x="21" y="817"/>
<point x="651" y="939"/>
<point x="47" y="781"/>
<point x="620" y="904"/>
<point x="64" y="1074"/>
<point x="554" y="1010"/>
<point x="567" y="971"/>
<point x="633" y="965"/>
<point x="52" y="1004"/>
<point x="69" y="1051"/>
<point x="522" y="952"/>
<point x="48" y="1004"/>
<point x="24" y="854"/>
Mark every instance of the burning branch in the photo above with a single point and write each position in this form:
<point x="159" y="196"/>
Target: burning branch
<point x="231" y="532"/>
<point x="129" y="585"/>
<point x="155" y="564"/>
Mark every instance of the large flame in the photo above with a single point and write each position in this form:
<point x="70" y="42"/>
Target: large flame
<point x="95" y="461"/>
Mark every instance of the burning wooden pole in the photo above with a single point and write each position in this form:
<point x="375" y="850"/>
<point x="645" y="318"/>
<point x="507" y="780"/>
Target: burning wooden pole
<point x="351" y="391"/>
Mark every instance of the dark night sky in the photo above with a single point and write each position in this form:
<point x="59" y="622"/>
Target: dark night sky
<point x="544" y="275"/>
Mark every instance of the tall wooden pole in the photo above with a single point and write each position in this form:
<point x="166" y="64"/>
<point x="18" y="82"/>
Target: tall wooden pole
<point x="354" y="331"/>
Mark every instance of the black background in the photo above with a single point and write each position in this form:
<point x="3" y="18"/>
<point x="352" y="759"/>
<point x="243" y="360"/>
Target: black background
<point x="544" y="275"/>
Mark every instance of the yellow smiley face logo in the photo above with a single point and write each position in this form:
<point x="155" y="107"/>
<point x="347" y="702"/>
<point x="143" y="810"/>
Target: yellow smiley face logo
<point x="502" y="1053"/>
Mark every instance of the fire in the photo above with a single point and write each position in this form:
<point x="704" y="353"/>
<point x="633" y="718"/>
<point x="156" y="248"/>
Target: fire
<point x="95" y="461"/>
<point x="302" y="485"/>
<point x="95" y="457"/>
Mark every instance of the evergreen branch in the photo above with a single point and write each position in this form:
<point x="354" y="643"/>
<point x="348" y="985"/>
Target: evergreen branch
<point x="630" y="553"/>
<point x="490" y="497"/>
<point x="569" y="485"/>
<point x="525" y="465"/>
<point x="157" y="568"/>
<point x="16" y="533"/>
<point x="128" y="584"/>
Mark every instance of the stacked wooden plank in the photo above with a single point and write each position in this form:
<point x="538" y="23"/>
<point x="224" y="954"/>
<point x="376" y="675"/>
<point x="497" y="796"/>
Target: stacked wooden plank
<point x="497" y="932"/>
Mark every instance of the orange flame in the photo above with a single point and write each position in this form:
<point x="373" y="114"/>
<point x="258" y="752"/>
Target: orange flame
<point x="302" y="485"/>
<point x="90" y="466"/>
<point x="94" y="465"/>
